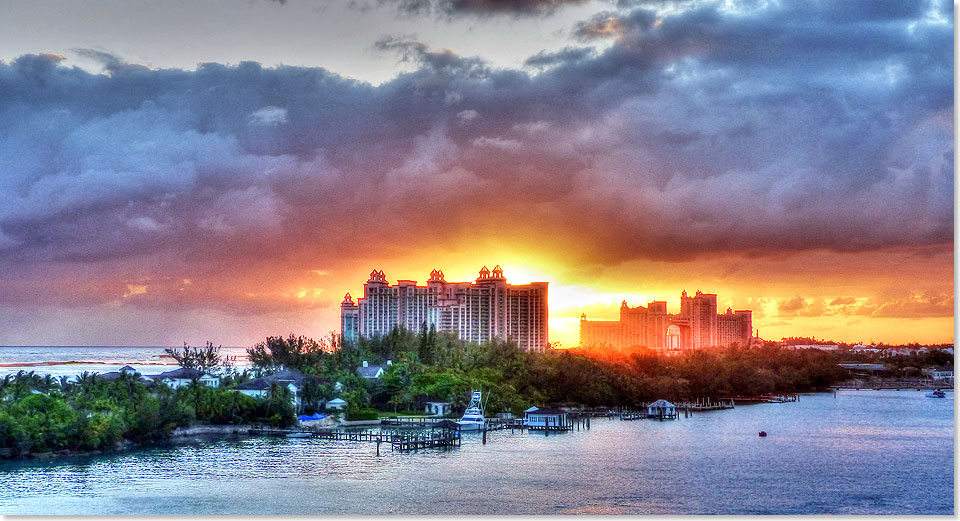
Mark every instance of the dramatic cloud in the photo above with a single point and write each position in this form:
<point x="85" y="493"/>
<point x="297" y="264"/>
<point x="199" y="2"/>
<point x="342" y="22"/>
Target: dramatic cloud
<point x="481" y="8"/>
<point x="697" y="131"/>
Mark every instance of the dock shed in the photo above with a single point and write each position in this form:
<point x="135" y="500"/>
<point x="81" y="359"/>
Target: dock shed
<point x="547" y="419"/>
<point x="661" y="409"/>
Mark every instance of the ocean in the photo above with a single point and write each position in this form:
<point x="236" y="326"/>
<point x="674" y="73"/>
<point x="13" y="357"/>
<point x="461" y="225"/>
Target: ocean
<point x="73" y="360"/>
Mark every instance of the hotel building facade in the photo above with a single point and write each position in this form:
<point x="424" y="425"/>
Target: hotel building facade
<point x="476" y="311"/>
<point x="697" y="326"/>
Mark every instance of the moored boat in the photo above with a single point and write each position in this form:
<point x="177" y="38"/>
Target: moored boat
<point x="937" y="394"/>
<point x="472" y="419"/>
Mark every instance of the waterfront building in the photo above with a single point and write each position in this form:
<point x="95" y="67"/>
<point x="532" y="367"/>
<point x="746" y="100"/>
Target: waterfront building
<point x="735" y="328"/>
<point x="552" y="419"/>
<point x="185" y="376"/>
<point x="438" y="408"/>
<point x="476" y="311"/>
<point x="697" y="326"/>
<point x="261" y="387"/>
<point x="662" y="409"/>
<point x="943" y="373"/>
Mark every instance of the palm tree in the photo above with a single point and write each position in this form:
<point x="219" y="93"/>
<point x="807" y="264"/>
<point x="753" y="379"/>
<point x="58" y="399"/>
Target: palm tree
<point x="65" y="384"/>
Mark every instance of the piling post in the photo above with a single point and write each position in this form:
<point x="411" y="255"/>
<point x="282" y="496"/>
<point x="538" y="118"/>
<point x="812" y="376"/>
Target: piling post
<point x="484" y="435"/>
<point x="588" y="423"/>
<point x="378" y="446"/>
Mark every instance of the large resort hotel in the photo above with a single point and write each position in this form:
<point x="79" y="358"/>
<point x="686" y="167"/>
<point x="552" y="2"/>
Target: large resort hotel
<point x="697" y="326"/>
<point x="476" y="311"/>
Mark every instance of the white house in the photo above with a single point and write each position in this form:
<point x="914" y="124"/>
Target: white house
<point x="260" y="388"/>
<point x="941" y="374"/>
<point x="183" y="377"/>
<point x="547" y="419"/>
<point x="438" y="408"/>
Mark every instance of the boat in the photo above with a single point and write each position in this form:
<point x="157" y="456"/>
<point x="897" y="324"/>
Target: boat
<point x="299" y="435"/>
<point x="937" y="394"/>
<point x="472" y="419"/>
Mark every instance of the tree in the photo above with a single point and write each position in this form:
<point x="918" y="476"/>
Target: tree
<point x="297" y="352"/>
<point x="204" y="359"/>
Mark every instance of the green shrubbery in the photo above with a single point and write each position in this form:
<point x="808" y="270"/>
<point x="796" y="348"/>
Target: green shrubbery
<point x="41" y="415"/>
<point x="431" y="366"/>
<point x="366" y="413"/>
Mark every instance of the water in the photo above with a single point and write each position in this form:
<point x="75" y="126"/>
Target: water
<point x="863" y="452"/>
<point x="73" y="360"/>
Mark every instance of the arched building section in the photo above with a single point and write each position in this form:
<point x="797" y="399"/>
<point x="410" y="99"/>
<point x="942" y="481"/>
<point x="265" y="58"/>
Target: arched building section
<point x="696" y="326"/>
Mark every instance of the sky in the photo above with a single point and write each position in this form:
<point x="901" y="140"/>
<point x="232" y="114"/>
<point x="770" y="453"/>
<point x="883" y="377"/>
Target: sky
<point x="227" y="170"/>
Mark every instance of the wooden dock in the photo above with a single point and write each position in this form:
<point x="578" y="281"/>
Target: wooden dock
<point x="397" y="441"/>
<point x="684" y="408"/>
<point x="766" y="398"/>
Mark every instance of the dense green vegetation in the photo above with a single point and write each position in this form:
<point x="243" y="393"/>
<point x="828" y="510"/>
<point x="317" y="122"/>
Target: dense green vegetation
<point x="435" y="367"/>
<point x="41" y="414"/>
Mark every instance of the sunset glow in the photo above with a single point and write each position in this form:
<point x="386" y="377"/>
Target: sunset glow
<point x="157" y="192"/>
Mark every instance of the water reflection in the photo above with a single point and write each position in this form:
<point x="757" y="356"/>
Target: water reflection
<point x="877" y="452"/>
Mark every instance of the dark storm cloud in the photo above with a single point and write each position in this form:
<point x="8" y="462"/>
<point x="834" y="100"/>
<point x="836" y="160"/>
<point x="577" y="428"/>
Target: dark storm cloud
<point x="565" y="55"/>
<point x="700" y="132"/>
<point x="481" y="8"/>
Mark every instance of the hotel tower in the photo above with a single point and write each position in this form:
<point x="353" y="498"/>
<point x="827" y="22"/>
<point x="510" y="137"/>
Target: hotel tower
<point x="476" y="311"/>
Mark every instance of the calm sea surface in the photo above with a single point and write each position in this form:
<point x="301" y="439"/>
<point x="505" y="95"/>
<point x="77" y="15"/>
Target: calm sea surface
<point x="859" y="452"/>
<point x="73" y="360"/>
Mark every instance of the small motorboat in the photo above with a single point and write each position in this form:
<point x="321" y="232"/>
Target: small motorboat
<point x="937" y="394"/>
<point x="763" y="434"/>
<point x="299" y="435"/>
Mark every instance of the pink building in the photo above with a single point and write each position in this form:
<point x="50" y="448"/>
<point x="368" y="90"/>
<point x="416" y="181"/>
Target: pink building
<point x="476" y="311"/>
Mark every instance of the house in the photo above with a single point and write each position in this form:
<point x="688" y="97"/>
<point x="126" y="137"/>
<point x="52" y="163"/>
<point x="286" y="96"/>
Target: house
<point x="552" y="419"/>
<point x="943" y="373"/>
<point x="291" y="379"/>
<point x="260" y="388"/>
<point x="125" y="370"/>
<point x="370" y="372"/>
<point x="438" y="408"/>
<point x="336" y="404"/>
<point x="185" y="376"/>
<point x="662" y="409"/>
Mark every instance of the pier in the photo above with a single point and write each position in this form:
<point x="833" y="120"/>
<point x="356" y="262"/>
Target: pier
<point x="674" y="412"/>
<point x="767" y="398"/>
<point x="398" y="442"/>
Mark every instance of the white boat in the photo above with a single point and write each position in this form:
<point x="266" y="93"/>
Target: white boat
<point x="472" y="419"/>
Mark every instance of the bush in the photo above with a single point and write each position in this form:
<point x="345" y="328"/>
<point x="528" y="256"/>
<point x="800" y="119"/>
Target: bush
<point x="362" y="414"/>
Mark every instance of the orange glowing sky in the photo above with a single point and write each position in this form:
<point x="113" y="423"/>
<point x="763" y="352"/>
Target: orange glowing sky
<point x="171" y="182"/>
